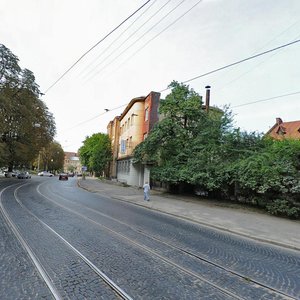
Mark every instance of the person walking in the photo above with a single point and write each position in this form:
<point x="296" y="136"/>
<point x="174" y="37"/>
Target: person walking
<point x="146" y="188"/>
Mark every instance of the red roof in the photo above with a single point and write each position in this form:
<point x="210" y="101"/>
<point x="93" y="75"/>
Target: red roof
<point x="281" y="130"/>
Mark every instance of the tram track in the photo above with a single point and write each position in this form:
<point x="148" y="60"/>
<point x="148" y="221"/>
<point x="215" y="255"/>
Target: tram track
<point x="34" y="257"/>
<point x="135" y="242"/>
<point x="183" y="251"/>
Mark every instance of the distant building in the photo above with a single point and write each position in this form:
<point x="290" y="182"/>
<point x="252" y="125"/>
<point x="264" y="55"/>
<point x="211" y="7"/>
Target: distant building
<point x="72" y="162"/>
<point x="285" y="130"/>
<point x="126" y="132"/>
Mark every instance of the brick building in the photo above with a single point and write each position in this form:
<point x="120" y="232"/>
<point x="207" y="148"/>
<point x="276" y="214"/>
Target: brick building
<point x="126" y="132"/>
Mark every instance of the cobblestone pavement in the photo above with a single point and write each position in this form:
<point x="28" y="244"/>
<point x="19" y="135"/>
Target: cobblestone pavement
<point x="245" y="222"/>
<point x="162" y="259"/>
<point x="18" y="278"/>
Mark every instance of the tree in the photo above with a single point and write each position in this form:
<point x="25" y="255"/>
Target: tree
<point x="191" y="146"/>
<point x="96" y="152"/>
<point x="51" y="158"/>
<point x="271" y="176"/>
<point x="184" y="145"/>
<point x="26" y="124"/>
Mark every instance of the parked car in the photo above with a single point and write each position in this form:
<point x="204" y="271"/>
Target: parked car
<point x="11" y="174"/>
<point x="23" y="175"/>
<point x="63" y="176"/>
<point x="45" y="173"/>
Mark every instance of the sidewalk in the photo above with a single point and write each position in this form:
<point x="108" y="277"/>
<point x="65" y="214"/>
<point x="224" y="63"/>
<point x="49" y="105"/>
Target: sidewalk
<point x="244" y="222"/>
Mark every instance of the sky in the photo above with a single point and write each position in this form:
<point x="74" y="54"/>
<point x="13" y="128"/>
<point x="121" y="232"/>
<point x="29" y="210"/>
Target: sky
<point x="166" y="40"/>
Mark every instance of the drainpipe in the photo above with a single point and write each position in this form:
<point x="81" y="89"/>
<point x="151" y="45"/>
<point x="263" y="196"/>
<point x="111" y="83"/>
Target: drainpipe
<point x="207" y="98"/>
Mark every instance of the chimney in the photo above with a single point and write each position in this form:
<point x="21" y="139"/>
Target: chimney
<point x="278" y="121"/>
<point x="207" y="99"/>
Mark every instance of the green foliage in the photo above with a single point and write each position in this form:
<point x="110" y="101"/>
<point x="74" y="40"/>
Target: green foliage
<point x="281" y="207"/>
<point x="203" y="149"/>
<point x="20" y="110"/>
<point x="273" y="169"/>
<point x="96" y="152"/>
<point x="185" y="143"/>
<point x="52" y="157"/>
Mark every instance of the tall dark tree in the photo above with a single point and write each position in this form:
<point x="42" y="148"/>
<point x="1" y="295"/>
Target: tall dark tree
<point x="50" y="158"/>
<point x="26" y="124"/>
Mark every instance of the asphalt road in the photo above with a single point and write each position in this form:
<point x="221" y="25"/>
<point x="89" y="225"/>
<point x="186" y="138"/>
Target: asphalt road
<point x="58" y="241"/>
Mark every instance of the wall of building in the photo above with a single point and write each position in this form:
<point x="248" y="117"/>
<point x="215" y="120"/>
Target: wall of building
<point x="129" y="173"/>
<point x="130" y="129"/>
<point x="72" y="161"/>
<point x="113" y="130"/>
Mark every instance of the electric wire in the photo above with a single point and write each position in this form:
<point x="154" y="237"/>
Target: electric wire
<point x="240" y="105"/>
<point x="257" y="65"/>
<point x="118" y="37"/>
<point x="115" y="50"/>
<point x="237" y="62"/>
<point x="138" y="39"/>
<point x="142" y="47"/>
<point x="266" y="99"/>
<point x="208" y="73"/>
<point x="96" y="116"/>
<point x="94" y="46"/>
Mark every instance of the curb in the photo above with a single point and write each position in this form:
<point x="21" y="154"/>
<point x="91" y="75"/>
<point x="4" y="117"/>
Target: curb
<point x="227" y="230"/>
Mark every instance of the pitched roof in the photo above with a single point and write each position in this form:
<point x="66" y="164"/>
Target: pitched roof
<point x="282" y="130"/>
<point x="70" y="154"/>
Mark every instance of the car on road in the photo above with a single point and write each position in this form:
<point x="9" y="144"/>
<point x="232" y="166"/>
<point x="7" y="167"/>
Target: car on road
<point x="45" y="173"/>
<point x="24" y="175"/>
<point x="11" y="174"/>
<point x="63" y="176"/>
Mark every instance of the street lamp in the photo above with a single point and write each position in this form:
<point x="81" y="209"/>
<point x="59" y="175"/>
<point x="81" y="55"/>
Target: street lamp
<point x="37" y="125"/>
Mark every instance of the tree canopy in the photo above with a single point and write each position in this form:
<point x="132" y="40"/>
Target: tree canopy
<point x="96" y="152"/>
<point x="203" y="149"/>
<point x="185" y="139"/>
<point x="26" y="125"/>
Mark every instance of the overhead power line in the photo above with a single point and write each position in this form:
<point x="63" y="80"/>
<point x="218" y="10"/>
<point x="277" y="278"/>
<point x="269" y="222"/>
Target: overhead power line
<point x="266" y="99"/>
<point x="143" y="46"/>
<point x="240" y="105"/>
<point x="96" y="116"/>
<point x="119" y="36"/>
<point x="214" y="71"/>
<point x="138" y="39"/>
<point x="238" y="62"/>
<point x="88" y="51"/>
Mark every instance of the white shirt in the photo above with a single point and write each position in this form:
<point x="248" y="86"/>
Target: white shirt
<point x="146" y="187"/>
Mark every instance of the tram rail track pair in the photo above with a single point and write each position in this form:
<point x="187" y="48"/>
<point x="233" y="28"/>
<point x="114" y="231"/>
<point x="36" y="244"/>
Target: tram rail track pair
<point x="116" y="288"/>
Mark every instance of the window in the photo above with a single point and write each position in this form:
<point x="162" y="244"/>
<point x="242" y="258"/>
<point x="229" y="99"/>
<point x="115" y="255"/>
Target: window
<point x="123" y="147"/>
<point x="147" y="114"/>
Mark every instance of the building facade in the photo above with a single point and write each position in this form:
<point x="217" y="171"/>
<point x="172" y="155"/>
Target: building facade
<point x="113" y="131"/>
<point x="126" y="132"/>
<point x="72" y="163"/>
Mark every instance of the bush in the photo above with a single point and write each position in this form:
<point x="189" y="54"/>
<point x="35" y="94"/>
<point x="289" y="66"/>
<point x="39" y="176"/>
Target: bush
<point x="281" y="207"/>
